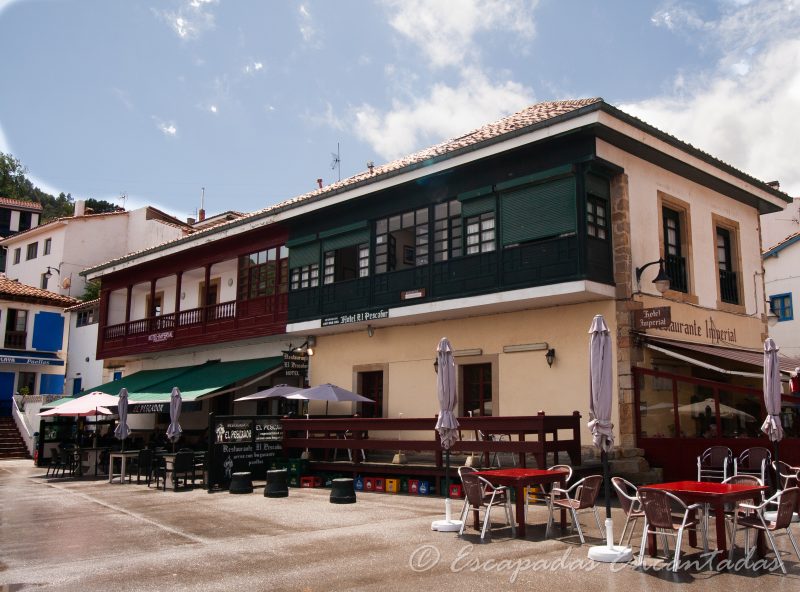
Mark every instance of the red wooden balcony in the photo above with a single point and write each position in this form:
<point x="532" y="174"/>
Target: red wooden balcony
<point x="216" y="323"/>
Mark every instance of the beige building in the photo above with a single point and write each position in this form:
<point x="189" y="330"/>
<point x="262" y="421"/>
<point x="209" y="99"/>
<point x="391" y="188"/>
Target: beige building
<point x="507" y="240"/>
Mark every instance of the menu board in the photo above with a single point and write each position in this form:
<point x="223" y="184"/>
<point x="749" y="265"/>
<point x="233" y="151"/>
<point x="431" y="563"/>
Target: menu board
<point x="243" y="443"/>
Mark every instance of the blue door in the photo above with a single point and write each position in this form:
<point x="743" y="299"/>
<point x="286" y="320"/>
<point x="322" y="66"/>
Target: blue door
<point x="6" y="392"/>
<point x="76" y="385"/>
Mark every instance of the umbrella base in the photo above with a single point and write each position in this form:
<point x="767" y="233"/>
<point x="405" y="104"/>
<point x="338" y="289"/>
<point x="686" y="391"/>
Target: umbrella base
<point x="446" y="525"/>
<point x="613" y="554"/>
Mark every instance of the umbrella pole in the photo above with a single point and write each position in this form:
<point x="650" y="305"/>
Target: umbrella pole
<point x="606" y="482"/>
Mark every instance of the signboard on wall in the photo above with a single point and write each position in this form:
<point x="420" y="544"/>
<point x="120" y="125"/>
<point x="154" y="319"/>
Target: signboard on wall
<point x="242" y="443"/>
<point x="652" y="318"/>
<point x="295" y="363"/>
<point x="356" y="317"/>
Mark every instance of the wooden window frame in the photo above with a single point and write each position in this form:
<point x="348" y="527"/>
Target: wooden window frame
<point x="684" y="211"/>
<point x="734" y="234"/>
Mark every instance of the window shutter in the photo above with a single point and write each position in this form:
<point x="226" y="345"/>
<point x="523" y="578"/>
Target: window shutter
<point x="304" y="255"/>
<point x="346" y="240"/>
<point x="538" y="211"/>
<point x="597" y="186"/>
<point x="480" y="205"/>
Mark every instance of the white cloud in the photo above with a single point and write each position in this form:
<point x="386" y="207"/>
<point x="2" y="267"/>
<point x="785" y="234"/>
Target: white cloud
<point x="213" y="108"/>
<point x="744" y="111"/>
<point x="167" y="128"/>
<point x="447" y="111"/>
<point x="253" y="67"/>
<point x="307" y="28"/>
<point x="191" y="19"/>
<point x="445" y="30"/>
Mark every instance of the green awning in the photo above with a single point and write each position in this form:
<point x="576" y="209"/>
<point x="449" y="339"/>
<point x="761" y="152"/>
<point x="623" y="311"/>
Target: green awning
<point x="56" y="403"/>
<point x="204" y="379"/>
<point x="139" y="381"/>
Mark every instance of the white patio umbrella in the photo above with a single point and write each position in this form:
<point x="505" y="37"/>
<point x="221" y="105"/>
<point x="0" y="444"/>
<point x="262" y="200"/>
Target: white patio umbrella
<point x="601" y="359"/>
<point x="772" y="394"/>
<point x="446" y="424"/>
<point x="280" y="390"/>
<point x="95" y="403"/>
<point x="122" y="430"/>
<point x="174" y="430"/>
<point x="725" y="411"/>
<point x="326" y="392"/>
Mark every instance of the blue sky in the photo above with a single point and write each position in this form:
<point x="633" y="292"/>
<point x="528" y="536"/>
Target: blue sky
<point x="157" y="99"/>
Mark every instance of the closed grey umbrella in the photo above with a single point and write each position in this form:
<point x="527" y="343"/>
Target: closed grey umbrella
<point x="772" y="394"/>
<point x="600" y="384"/>
<point x="122" y="430"/>
<point x="446" y="424"/>
<point x="174" y="430"/>
<point x="601" y="365"/>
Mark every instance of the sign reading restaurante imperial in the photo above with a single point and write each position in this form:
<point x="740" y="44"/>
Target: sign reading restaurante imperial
<point x="701" y="325"/>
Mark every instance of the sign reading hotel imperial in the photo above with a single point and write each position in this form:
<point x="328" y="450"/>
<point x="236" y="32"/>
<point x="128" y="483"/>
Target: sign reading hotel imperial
<point x="701" y="325"/>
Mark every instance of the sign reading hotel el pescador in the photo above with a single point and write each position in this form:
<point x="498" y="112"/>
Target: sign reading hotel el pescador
<point x="356" y="317"/>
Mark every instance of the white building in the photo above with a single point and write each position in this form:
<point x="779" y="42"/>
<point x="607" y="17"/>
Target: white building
<point x="782" y="282"/>
<point x="83" y="368"/>
<point x="50" y="256"/>
<point x="34" y="341"/>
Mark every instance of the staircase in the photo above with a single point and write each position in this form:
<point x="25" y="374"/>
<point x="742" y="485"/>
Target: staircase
<point x="11" y="443"/>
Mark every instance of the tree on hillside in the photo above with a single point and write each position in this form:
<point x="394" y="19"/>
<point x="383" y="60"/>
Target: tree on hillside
<point x="15" y="184"/>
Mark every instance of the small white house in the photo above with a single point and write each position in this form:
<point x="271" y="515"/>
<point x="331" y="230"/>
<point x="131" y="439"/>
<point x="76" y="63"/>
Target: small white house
<point x="782" y="283"/>
<point x="50" y="256"/>
<point x="83" y="368"/>
<point x="34" y="341"/>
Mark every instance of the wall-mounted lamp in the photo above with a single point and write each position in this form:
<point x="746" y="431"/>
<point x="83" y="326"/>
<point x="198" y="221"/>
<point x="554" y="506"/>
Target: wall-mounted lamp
<point x="49" y="273"/>
<point x="661" y="280"/>
<point x="370" y="330"/>
<point x="183" y="295"/>
<point x="306" y="347"/>
<point x="230" y="282"/>
<point x="550" y="356"/>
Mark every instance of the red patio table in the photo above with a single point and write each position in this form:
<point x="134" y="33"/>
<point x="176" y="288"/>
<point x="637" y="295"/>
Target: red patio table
<point x="715" y="495"/>
<point x="520" y="479"/>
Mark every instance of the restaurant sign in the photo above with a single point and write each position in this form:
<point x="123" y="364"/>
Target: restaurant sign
<point x="160" y="337"/>
<point x="652" y="318"/>
<point x="356" y="317"/>
<point x="295" y="363"/>
<point x="243" y="443"/>
<point x="31" y="361"/>
<point x="163" y="407"/>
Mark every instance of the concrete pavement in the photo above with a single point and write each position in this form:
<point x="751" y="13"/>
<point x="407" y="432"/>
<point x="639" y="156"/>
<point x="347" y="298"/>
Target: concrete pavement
<point x="65" y="534"/>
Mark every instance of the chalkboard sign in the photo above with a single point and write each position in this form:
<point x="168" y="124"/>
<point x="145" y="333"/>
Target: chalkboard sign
<point x="242" y="443"/>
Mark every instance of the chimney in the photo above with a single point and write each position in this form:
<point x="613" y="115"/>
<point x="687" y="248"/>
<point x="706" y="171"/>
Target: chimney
<point x="190" y="220"/>
<point x="80" y="207"/>
<point x="319" y="182"/>
<point x="370" y="166"/>
<point x="774" y="184"/>
<point x="201" y="215"/>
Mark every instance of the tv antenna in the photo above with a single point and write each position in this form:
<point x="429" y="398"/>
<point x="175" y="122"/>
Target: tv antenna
<point x="123" y="197"/>
<point x="336" y="163"/>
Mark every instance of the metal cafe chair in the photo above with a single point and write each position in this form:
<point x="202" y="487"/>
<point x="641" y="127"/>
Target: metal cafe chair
<point x="630" y="503"/>
<point x="480" y="494"/>
<point x="786" y="501"/>
<point x="659" y="519"/>
<point x="786" y="474"/>
<point x="714" y="463"/>
<point x="537" y="493"/>
<point x="753" y="461"/>
<point x="581" y="496"/>
<point x="731" y="509"/>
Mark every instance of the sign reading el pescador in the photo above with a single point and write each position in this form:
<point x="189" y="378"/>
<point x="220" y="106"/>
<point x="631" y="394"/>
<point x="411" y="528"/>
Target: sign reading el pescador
<point x="295" y="363"/>
<point x="242" y="443"/>
<point x="356" y="317"/>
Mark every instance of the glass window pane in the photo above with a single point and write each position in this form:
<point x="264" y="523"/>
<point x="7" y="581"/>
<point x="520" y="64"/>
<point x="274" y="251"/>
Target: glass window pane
<point x="394" y="223"/>
<point x="440" y="211"/>
<point x="408" y="219"/>
<point x="381" y="226"/>
<point x="455" y="208"/>
<point x="422" y="216"/>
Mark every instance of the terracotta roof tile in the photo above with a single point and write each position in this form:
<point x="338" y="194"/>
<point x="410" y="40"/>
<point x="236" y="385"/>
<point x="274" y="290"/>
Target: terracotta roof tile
<point x="14" y="288"/>
<point x="20" y="203"/>
<point x="82" y="305"/>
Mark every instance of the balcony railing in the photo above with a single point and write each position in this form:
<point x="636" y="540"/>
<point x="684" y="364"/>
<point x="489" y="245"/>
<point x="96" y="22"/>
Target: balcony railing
<point x="728" y="286"/>
<point x="16" y="339"/>
<point x="255" y="315"/>
<point x="676" y="270"/>
<point x="533" y="264"/>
